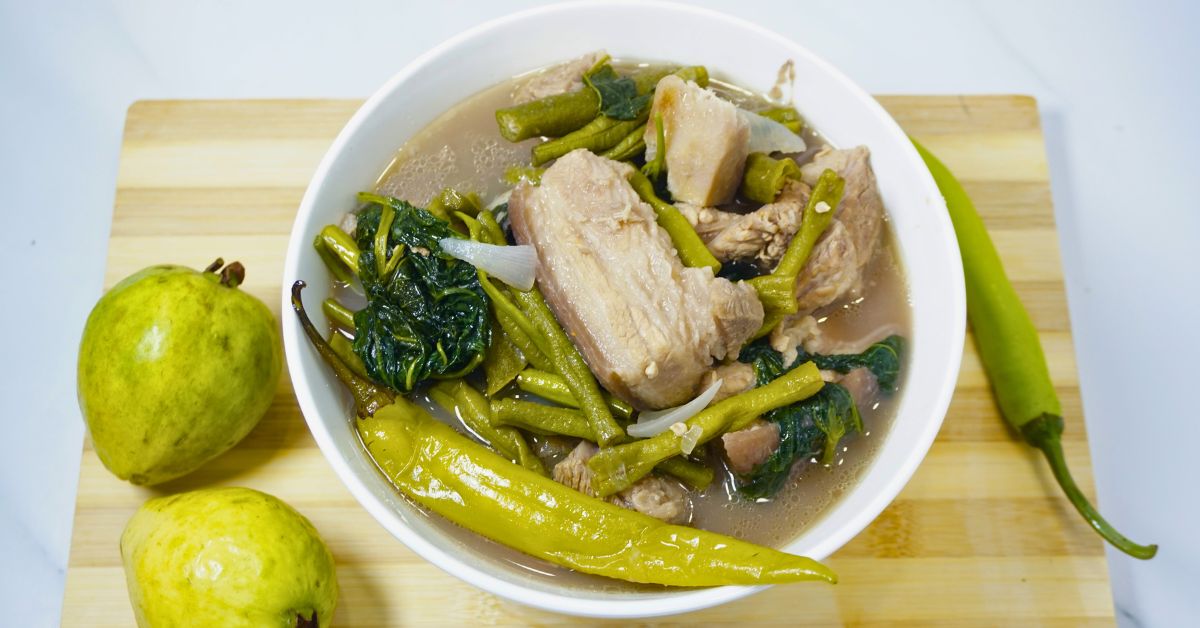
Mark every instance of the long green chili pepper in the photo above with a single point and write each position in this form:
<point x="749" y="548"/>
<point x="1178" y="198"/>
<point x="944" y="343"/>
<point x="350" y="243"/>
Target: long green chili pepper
<point x="553" y="387"/>
<point x="1011" y="351"/>
<point x="473" y="409"/>
<point x="764" y="177"/>
<point x="777" y="290"/>
<point x="617" y="468"/>
<point x="474" y="487"/>
<point x="691" y="249"/>
<point x="338" y="314"/>
<point x="541" y="419"/>
<point x="629" y="147"/>
<point x="597" y="136"/>
<point x="464" y="482"/>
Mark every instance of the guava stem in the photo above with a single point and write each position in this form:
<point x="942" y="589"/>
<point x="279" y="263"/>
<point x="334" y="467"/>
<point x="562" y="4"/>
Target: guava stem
<point x="309" y="622"/>
<point x="216" y="265"/>
<point x="233" y="275"/>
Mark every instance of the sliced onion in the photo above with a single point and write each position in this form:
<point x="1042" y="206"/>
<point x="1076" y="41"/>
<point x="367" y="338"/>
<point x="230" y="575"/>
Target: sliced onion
<point x="769" y="136"/>
<point x="657" y="421"/>
<point x="514" y="265"/>
<point x="501" y="199"/>
<point x="690" y="439"/>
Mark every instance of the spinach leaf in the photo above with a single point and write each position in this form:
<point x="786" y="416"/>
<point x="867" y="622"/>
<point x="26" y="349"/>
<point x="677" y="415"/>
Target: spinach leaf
<point x="619" y="97"/>
<point x="812" y="428"/>
<point x="882" y="358"/>
<point x="426" y="314"/>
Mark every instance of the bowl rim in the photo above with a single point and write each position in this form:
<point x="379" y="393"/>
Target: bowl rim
<point x="687" y="600"/>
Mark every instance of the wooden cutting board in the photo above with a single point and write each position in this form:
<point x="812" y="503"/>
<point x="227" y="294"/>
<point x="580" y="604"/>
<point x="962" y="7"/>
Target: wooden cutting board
<point x="981" y="535"/>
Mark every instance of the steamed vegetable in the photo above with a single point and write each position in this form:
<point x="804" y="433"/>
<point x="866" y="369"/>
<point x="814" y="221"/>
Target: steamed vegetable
<point x="617" y="468"/>
<point x="764" y="177"/>
<point x="629" y="147"/>
<point x="620" y="98"/>
<point x="472" y="408"/>
<point x="654" y="422"/>
<point x="813" y="428"/>
<point x="769" y="136"/>
<point x="426" y="313"/>
<point x="787" y="116"/>
<point x="338" y="314"/>
<point x="555" y="116"/>
<point x="777" y="291"/>
<point x="456" y="478"/>
<point x="534" y="318"/>
<point x="881" y="358"/>
<point x="503" y="360"/>
<point x="598" y="136"/>
<point x="541" y="419"/>
<point x="1011" y="351"/>
<point x="691" y="249"/>
<point x="552" y="387"/>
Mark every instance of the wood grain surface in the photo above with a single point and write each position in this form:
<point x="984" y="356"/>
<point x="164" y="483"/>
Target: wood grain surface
<point x="980" y="536"/>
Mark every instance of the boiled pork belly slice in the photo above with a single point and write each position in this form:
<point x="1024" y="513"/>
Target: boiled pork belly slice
<point x="707" y="141"/>
<point x="648" y="327"/>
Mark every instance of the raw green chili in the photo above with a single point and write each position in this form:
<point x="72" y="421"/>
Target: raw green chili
<point x="1011" y="351"/>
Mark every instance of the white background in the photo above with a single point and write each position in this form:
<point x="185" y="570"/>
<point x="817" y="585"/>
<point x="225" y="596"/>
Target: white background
<point x="1118" y="91"/>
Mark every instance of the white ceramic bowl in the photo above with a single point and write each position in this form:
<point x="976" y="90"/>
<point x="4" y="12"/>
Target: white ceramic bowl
<point x="749" y="55"/>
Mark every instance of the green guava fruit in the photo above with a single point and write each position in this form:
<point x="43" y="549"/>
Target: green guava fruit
<point x="175" y="367"/>
<point x="229" y="557"/>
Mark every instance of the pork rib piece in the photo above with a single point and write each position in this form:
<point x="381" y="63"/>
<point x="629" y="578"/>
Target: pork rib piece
<point x="559" y="79"/>
<point x="648" y="327"/>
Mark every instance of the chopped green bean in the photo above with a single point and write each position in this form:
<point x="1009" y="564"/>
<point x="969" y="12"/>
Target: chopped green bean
<point x="777" y="290"/>
<point x="472" y="408"/>
<point x="617" y="468"/>
<point x="517" y="174"/>
<point x="503" y="360"/>
<point x="694" y="474"/>
<point x="553" y="387"/>
<point x="764" y="177"/>
<point x="557" y="115"/>
<point x="339" y="252"/>
<point x="691" y="248"/>
<point x="541" y="419"/>
<point x="787" y="116"/>
<point x="631" y="146"/>
<point x="597" y="136"/>
<point x="569" y="363"/>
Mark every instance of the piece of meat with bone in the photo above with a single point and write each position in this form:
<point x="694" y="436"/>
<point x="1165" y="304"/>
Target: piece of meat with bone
<point x="707" y="141"/>
<point x="559" y="79"/>
<point x="658" y="497"/>
<point x="648" y="327"/>
<point x="836" y="264"/>
<point x="751" y="446"/>
<point x="736" y="377"/>
<point x="761" y="236"/>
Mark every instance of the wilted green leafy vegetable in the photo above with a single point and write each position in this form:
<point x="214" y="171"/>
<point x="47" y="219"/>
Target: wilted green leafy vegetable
<point x="426" y="314"/>
<point x="812" y="428"/>
<point x="619" y="98"/>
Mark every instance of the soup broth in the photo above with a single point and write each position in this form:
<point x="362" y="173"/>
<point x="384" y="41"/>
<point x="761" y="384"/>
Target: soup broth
<point x="462" y="149"/>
